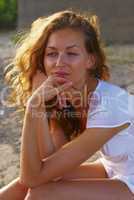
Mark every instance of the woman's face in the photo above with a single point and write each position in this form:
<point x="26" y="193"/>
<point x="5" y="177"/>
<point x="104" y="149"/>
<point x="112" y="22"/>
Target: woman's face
<point x="66" y="56"/>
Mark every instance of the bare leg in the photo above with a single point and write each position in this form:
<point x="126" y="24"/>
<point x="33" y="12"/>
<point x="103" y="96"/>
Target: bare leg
<point x="13" y="191"/>
<point x="82" y="184"/>
<point x="92" y="189"/>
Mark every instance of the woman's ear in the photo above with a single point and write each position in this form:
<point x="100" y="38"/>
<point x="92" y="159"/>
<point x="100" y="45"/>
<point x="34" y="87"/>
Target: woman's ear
<point x="91" y="61"/>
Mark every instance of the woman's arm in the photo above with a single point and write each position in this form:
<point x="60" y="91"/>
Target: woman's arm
<point x="14" y="190"/>
<point x="35" y="172"/>
<point x="37" y="145"/>
<point x="46" y="145"/>
<point x="31" y="151"/>
<point x="56" y="133"/>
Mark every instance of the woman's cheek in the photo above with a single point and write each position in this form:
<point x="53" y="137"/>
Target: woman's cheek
<point x="48" y="68"/>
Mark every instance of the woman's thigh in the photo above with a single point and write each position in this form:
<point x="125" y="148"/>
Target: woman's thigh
<point x="92" y="189"/>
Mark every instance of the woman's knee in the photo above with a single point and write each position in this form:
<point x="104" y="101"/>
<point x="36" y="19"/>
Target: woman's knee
<point x="32" y="195"/>
<point x="45" y="191"/>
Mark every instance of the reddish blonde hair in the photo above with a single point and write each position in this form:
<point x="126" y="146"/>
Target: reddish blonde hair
<point x="30" y="53"/>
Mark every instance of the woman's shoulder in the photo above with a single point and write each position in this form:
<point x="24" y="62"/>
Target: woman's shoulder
<point x="109" y="107"/>
<point x="110" y="96"/>
<point x="108" y="88"/>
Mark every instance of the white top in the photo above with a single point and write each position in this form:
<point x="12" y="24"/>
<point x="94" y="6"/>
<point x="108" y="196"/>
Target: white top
<point x="112" y="106"/>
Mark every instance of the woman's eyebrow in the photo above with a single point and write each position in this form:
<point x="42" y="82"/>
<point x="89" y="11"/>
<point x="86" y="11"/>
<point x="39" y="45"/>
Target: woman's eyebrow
<point x="51" y="47"/>
<point x="68" y="47"/>
<point x="72" y="46"/>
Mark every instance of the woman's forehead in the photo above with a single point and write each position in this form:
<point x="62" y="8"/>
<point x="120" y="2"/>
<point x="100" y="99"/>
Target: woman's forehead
<point x="67" y="37"/>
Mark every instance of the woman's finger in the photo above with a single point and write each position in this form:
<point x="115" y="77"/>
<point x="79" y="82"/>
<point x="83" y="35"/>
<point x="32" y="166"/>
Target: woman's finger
<point x="64" y="87"/>
<point x="56" y="80"/>
<point x="51" y="87"/>
<point x="50" y="91"/>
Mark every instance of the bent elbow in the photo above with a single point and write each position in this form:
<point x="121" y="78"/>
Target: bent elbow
<point x="29" y="182"/>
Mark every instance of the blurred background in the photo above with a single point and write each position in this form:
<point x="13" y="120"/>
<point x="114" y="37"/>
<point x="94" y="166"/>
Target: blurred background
<point x="117" y="30"/>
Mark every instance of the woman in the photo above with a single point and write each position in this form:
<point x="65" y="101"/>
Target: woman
<point x="72" y="112"/>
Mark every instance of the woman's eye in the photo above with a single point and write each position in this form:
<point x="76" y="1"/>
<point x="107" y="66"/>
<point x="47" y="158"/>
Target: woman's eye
<point x="52" y="54"/>
<point x="72" y="54"/>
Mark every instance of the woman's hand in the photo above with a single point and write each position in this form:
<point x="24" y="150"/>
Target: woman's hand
<point x="53" y="85"/>
<point x="38" y="79"/>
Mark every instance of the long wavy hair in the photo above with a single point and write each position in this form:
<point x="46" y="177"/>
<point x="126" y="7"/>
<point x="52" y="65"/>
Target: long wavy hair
<point x="30" y="54"/>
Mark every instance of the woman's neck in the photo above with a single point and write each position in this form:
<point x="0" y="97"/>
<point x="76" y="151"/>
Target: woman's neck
<point x="80" y="98"/>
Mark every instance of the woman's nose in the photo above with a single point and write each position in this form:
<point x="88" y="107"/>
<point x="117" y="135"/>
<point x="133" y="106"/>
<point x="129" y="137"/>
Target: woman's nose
<point x="60" y="60"/>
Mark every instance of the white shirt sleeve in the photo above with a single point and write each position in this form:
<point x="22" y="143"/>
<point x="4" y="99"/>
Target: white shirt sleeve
<point x="109" y="112"/>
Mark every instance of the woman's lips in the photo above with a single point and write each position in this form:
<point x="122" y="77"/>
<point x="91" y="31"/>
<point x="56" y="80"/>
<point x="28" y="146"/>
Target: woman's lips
<point x="61" y="73"/>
